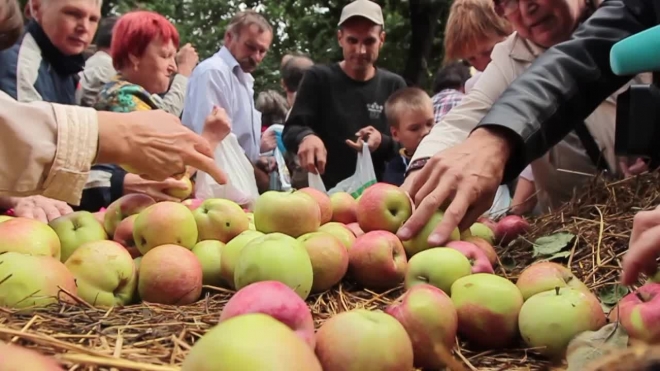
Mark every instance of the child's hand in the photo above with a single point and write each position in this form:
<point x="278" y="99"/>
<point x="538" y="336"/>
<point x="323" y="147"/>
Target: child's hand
<point x="216" y="127"/>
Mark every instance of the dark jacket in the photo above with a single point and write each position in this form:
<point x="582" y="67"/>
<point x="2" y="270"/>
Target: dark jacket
<point x="567" y="82"/>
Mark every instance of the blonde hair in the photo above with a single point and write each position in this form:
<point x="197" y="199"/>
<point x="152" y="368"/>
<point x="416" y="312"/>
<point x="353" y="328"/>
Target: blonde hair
<point x="410" y="99"/>
<point x="247" y="18"/>
<point x="471" y="23"/>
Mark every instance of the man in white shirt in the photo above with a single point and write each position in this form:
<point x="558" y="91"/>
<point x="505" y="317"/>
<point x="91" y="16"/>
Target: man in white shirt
<point x="225" y="80"/>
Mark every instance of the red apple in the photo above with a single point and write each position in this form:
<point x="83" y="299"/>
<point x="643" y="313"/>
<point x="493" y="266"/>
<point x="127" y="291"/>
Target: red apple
<point x="192" y="203"/>
<point x="429" y="317"/>
<point x="378" y="260"/>
<point x="355" y="228"/>
<point x="344" y="208"/>
<point x="124" y="207"/>
<point x="276" y="300"/>
<point x="488" y="222"/>
<point x="124" y="235"/>
<point x="100" y="216"/>
<point x="544" y="276"/>
<point x="325" y="205"/>
<point x="639" y="313"/>
<point x="486" y="247"/>
<point x="383" y="207"/>
<point x="170" y="274"/>
<point x="509" y="228"/>
<point x="477" y="258"/>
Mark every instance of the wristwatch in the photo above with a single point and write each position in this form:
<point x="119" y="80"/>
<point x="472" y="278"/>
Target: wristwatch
<point x="416" y="165"/>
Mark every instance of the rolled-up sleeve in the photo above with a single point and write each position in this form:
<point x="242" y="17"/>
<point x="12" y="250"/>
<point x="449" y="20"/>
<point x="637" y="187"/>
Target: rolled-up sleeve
<point x="173" y="100"/>
<point x="46" y="149"/>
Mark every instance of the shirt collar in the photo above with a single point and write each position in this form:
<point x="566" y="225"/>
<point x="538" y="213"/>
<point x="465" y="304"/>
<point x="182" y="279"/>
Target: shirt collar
<point x="232" y="63"/>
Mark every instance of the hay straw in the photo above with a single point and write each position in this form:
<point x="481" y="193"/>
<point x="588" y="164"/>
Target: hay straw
<point x="156" y="337"/>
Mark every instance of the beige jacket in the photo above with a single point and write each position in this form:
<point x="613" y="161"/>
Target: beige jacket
<point x="564" y="167"/>
<point x="46" y="149"/>
<point x="99" y="70"/>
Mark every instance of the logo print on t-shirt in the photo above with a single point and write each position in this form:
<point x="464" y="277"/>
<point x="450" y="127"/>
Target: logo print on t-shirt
<point x="375" y="110"/>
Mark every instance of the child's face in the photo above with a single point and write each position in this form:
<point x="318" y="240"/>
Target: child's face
<point x="414" y="125"/>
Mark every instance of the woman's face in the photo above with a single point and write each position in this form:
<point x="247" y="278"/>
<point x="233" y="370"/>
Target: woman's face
<point x="544" y="22"/>
<point x="155" y="67"/>
<point x="480" y="58"/>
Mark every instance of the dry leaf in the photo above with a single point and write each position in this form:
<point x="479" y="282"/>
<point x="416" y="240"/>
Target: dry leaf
<point x="592" y="345"/>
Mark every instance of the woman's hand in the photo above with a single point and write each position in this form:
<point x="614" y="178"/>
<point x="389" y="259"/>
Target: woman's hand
<point x="644" y="247"/>
<point x="186" y="60"/>
<point x="631" y="168"/>
<point x="37" y="207"/>
<point x="216" y="127"/>
<point x="157" y="190"/>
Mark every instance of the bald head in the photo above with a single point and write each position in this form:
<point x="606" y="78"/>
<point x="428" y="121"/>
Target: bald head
<point x="293" y="70"/>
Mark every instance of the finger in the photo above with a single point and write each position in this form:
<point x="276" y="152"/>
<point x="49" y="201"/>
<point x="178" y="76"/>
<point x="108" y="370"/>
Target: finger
<point x="642" y="221"/>
<point x="63" y="208"/>
<point x="421" y="177"/>
<point x="24" y="212"/>
<point x="39" y="214"/>
<point x="320" y="156"/>
<point x="51" y="211"/>
<point x="208" y="165"/>
<point x="172" y="183"/>
<point x="354" y="145"/>
<point x="423" y="213"/>
<point x="159" y="196"/>
<point x="452" y="216"/>
<point x="637" y="168"/>
<point x="639" y="255"/>
<point x="432" y="181"/>
<point x="473" y="213"/>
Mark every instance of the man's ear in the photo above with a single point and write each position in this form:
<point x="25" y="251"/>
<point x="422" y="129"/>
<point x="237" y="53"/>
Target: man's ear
<point x="339" y="35"/>
<point x="382" y="38"/>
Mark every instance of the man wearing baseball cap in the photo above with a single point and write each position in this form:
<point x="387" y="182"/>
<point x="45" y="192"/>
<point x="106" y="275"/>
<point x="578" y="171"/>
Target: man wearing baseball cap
<point x="340" y="106"/>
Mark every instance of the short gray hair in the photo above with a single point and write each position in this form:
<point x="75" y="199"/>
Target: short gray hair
<point x="273" y="107"/>
<point x="247" y="18"/>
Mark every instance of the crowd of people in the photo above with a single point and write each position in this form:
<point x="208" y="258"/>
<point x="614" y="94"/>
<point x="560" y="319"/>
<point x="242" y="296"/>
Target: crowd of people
<point x="521" y="114"/>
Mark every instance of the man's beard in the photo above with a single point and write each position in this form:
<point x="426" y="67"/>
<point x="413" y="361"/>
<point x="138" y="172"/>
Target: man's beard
<point x="248" y="64"/>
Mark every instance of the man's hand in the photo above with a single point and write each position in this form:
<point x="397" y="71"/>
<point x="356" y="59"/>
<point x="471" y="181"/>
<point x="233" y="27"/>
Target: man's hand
<point x="636" y="167"/>
<point x="268" y="141"/>
<point x="217" y="126"/>
<point x="135" y="184"/>
<point x="154" y="144"/>
<point x="186" y="60"/>
<point x="467" y="174"/>
<point x="312" y="154"/>
<point x="39" y="208"/>
<point x="644" y="247"/>
<point x="373" y="139"/>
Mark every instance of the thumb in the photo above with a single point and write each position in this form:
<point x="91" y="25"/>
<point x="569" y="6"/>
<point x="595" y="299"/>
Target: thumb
<point x="174" y="183"/>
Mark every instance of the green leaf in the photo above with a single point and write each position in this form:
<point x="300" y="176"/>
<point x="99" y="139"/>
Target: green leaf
<point x="611" y="294"/>
<point x="550" y="245"/>
<point x="559" y="255"/>
<point x="590" y="346"/>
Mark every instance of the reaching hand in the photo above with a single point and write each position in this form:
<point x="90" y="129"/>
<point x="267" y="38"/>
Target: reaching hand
<point x="467" y="174"/>
<point x="40" y="208"/>
<point x="268" y="141"/>
<point x="637" y="167"/>
<point x="186" y="60"/>
<point x="135" y="184"/>
<point x="154" y="144"/>
<point x="644" y="247"/>
<point x="370" y="134"/>
<point x="216" y="126"/>
<point x="312" y="154"/>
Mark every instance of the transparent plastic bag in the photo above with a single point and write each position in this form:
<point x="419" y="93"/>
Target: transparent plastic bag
<point x="364" y="176"/>
<point x="315" y="181"/>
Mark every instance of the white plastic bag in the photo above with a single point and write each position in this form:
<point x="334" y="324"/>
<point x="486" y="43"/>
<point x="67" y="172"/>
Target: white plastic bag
<point x="241" y="186"/>
<point x="501" y="203"/>
<point x="364" y="176"/>
<point x="315" y="181"/>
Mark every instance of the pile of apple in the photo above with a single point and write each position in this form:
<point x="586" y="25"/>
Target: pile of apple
<point x="291" y="245"/>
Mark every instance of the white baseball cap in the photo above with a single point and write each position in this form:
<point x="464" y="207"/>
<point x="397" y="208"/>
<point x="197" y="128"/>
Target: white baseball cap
<point x="362" y="8"/>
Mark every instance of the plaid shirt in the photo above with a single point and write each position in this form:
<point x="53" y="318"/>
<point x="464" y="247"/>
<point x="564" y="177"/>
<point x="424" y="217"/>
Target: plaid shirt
<point x="444" y="101"/>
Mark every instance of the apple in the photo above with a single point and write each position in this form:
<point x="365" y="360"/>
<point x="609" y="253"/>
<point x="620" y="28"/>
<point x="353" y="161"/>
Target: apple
<point x="252" y="341"/>
<point x="509" y="228"/>
<point x="75" y="229"/>
<point x="18" y="358"/>
<point x="170" y="274"/>
<point x="276" y="300"/>
<point x="466" y="234"/>
<point x="29" y="236"/>
<point x="544" y="276"/>
<point x="439" y="267"/>
<point x="4" y="218"/>
<point x="488" y="222"/>
<point x="638" y="313"/>
<point x="100" y="217"/>
<point x="363" y="340"/>
<point x="290" y="213"/>
<point x="377" y="260"/>
<point x="124" y="207"/>
<point x="275" y="257"/>
<point x="487" y="307"/>
<point x="420" y="241"/>
<point x="33" y="281"/>
<point x="344" y="208"/>
<point x="230" y="254"/>
<point x="209" y="252"/>
<point x="124" y="235"/>
<point x="383" y="207"/>
<point x="322" y="199"/>
<point x="486" y="247"/>
<point x="192" y="203"/>
<point x="355" y="228"/>
<point x="340" y="231"/>
<point x="220" y="219"/>
<point x="165" y="223"/>
<point x="251" y="225"/>
<point x="483" y="231"/>
<point x="551" y="319"/>
<point x="475" y="255"/>
<point x="181" y="193"/>
<point x="105" y="273"/>
<point x="329" y="259"/>
<point x="429" y="317"/>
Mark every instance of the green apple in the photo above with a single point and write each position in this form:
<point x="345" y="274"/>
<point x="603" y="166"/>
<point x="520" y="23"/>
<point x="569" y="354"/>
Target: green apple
<point x="551" y="319"/>
<point x="466" y="234"/>
<point x="220" y="219"/>
<point x="4" y="218"/>
<point x="329" y="259"/>
<point x="29" y="236"/>
<point x="340" y="231"/>
<point x="377" y="260"/>
<point x="293" y="214"/>
<point x="487" y="307"/>
<point x="252" y="341"/>
<point x="208" y="252"/>
<point x="544" y="276"/>
<point x="430" y="319"/>
<point x="230" y="254"/>
<point x="439" y="267"/>
<point x="165" y="223"/>
<point x="124" y="207"/>
<point x="181" y="193"/>
<point x="344" y="208"/>
<point x="275" y="257"/>
<point x="33" y="281"/>
<point x="482" y="231"/>
<point x="251" y="220"/>
<point x="363" y="340"/>
<point x="170" y="274"/>
<point x="75" y="229"/>
<point x="420" y="241"/>
<point x="383" y="207"/>
<point x="104" y="272"/>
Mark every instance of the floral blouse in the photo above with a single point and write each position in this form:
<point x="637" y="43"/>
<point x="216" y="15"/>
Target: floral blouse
<point x="119" y="95"/>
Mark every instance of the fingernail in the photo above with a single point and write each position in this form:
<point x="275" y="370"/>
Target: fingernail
<point x="404" y="233"/>
<point x="435" y="239"/>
